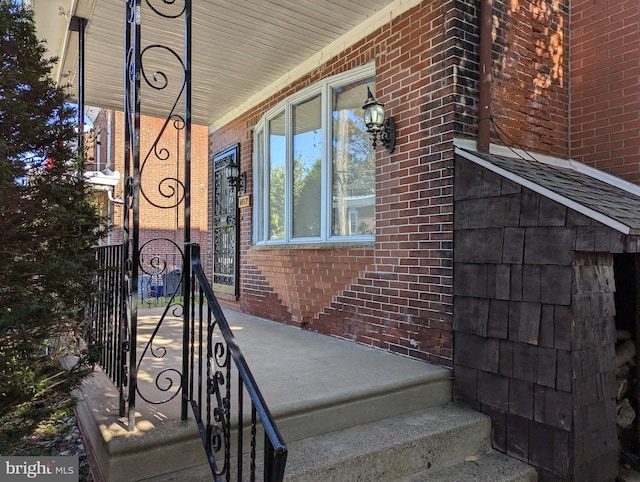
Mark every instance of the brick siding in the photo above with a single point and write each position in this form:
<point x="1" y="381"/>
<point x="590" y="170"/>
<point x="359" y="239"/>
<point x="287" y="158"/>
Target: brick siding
<point x="396" y="292"/>
<point x="426" y="73"/>
<point x="605" y="92"/>
<point x="164" y="222"/>
<point x="530" y="91"/>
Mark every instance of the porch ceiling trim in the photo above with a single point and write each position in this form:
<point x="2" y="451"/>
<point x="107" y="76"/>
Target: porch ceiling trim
<point x="367" y="27"/>
<point x="243" y="52"/>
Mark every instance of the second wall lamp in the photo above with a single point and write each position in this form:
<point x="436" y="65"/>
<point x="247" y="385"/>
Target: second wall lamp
<point x="382" y="130"/>
<point x="236" y="179"/>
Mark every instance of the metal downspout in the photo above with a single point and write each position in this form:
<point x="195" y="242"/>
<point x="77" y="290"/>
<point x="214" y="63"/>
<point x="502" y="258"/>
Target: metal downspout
<point x="484" y="101"/>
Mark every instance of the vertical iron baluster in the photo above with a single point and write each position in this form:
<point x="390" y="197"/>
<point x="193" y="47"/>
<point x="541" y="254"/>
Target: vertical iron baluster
<point x="201" y="376"/>
<point x="108" y="312"/>
<point x="253" y="442"/>
<point x="116" y="313"/>
<point x="135" y="210"/>
<point x="227" y="413"/>
<point x="240" y="426"/>
<point x="209" y="364"/>
<point x="216" y="438"/>
<point x="194" y="376"/>
<point x="187" y="182"/>
<point x="122" y="316"/>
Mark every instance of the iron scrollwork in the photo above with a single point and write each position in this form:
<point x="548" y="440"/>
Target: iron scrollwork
<point x="161" y="262"/>
<point x="219" y="385"/>
<point x="173" y="8"/>
<point x="214" y="356"/>
<point x="150" y="263"/>
<point x="170" y="189"/>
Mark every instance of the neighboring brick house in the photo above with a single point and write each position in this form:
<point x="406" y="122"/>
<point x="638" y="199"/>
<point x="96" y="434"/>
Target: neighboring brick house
<point x="161" y="224"/>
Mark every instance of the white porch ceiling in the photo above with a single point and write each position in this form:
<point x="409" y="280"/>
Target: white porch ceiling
<point x="242" y="50"/>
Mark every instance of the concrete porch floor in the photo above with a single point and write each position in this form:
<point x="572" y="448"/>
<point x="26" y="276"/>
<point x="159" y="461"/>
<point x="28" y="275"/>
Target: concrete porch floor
<point x="312" y="383"/>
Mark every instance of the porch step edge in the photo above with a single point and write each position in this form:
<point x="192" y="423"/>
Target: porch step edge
<point x="172" y="444"/>
<point x="433" y="376"/>
<point x="324" y="416"/>
<point x="115" y="448"/>
<point x="491" y="466"/>
<point x="453" y="446"/>
<point x="392" y="448"/>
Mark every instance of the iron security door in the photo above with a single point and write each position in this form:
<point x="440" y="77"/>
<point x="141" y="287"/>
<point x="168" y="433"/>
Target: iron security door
<point x="225" y="225"/>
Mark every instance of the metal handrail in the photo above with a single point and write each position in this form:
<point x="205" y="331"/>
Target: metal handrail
<point x="214" y="422"/>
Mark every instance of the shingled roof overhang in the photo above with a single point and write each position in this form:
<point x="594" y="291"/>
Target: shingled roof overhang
<point x="594" y="193"/>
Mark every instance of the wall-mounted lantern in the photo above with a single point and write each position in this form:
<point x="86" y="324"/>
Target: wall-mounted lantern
<point x="236" y="179"/>
<point x="382" y="130"/>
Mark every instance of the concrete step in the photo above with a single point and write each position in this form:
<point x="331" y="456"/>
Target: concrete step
<point x="490" y="466"/>
<point x="162" y="448"/>
<point x="440" y="444"/>
<point x="345" y="411"/>
<point x="362" y="405"/>
<point x="429" y="444"/>
<point x="316" y="384"/>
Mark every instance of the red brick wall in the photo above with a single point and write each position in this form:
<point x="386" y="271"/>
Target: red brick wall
<point x="396" y="293"/>
<point x="306" y="280"/>
<point x="530" y="90"/>
<point x="605" y="90"/>
<point x="156" y="222"/>
<point x="463" y="48"/>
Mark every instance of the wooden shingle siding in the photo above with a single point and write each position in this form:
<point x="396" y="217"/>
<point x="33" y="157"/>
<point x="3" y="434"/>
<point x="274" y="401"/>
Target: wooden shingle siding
<point x="534" y="328"/>
<point x="498" y="325"/>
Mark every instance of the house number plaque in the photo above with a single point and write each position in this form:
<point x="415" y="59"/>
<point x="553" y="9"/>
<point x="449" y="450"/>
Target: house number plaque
<point x="244" y="201"/>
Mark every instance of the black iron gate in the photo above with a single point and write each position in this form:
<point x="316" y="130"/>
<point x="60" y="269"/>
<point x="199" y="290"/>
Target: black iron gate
<point x="225" y="223"/>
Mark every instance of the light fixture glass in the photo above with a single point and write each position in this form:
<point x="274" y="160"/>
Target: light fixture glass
<point x="231" y="172"/>
<point x="373" y="112"/>
<point x="236" y="179"/>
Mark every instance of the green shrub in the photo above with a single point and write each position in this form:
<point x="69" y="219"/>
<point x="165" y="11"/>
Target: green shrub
<point x="48" y="225"/>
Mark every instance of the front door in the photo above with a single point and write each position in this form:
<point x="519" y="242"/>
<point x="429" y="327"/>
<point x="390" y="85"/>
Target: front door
<point x="225" y="225"/>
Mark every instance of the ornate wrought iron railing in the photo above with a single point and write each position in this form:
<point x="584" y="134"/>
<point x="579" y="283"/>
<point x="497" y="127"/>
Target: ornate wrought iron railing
<point x="149" y="62"/>
<point x="107" y="330"/>
<point x="209" y="349"/>
<point x="230" y="425"/>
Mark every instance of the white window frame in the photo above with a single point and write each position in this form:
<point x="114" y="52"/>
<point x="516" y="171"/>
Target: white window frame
<point x="261" y="164"/>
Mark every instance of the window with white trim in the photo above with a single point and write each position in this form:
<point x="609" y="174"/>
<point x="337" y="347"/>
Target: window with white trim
<point x="314" y="165"/>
